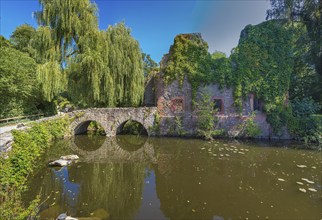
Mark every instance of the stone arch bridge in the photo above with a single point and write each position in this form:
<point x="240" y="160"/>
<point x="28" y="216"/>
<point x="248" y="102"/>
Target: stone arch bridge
<point x="112" y="119"/>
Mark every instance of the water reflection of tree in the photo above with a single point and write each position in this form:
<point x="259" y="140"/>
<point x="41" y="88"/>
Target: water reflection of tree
<point x="114" y="187"/>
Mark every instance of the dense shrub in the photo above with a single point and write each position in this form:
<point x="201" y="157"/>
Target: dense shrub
<point x="249" y="128"/>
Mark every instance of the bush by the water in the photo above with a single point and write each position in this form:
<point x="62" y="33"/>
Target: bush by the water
<point x="27" y="148"/>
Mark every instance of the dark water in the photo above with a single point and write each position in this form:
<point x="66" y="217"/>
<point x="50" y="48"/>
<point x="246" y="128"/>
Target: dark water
<point x="130" y="177"/>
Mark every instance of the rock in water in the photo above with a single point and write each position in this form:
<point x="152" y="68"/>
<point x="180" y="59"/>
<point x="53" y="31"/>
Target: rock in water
<point x="69" y="157"/>
<point x="61" y="216"/>
<point x="64" y="160"/>
<point x="60" y="163"/>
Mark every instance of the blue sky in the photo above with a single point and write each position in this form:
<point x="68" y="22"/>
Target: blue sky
<point x="155" y="23"/>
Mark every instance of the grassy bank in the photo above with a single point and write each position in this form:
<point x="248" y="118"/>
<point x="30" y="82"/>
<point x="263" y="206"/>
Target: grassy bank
<point x="27" y="148"/>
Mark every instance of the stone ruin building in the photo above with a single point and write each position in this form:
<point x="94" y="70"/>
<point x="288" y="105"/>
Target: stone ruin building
<point x="174" y="101"/>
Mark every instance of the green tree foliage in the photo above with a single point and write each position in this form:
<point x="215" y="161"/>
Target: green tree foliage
<point x="263" y="63"/>
<point x="72" y="23"/>
<point x="149" y="65"/>
<point x="249" y="128"/>
<point x="104" y="68"/>
<point x="49" y="71"/>
<point x="125" y="66"/>
<point x="67" y="28"/>
<point x="18" y="84"/>
<point x="206" y="121"/>
<point x="21" y="38"/>
<point x="309" y="14"/>
<point x="112" y="73"/>
<point x="51" y="80"/>
<point x="4" y="42"/>
<point x="304" y="79"/>
<point x="189" y="57"/>
<point x="222" y="70"/>
<point x="302" y="123"/>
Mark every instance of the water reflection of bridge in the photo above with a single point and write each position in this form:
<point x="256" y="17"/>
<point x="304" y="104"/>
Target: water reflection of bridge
<point x="116" y="149"/>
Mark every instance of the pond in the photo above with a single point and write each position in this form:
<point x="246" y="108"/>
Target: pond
<point x="133" y="177"/>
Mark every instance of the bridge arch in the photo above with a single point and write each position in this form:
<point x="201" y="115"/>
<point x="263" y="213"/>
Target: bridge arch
<point x="82" y="127"/>
<point x="120" y="127"/>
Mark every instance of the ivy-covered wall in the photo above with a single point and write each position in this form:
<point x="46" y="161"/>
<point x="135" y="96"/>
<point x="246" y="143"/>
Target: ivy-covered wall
<point x="263" y="62"/>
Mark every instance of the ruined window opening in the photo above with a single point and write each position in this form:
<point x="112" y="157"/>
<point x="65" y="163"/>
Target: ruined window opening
<point x="177" y="105"/>
<point x="218" y="106"/>
<point x="258" y="104"/>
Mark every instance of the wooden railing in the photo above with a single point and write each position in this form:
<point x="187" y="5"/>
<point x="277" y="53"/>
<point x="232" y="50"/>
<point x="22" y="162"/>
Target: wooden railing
<point x="6" y="120"/>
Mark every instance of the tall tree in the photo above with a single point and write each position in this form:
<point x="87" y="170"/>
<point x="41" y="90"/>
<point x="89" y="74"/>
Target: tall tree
<point x="125" y="65"/>
<point x="67" y="28"/>
<point x="72" y="24"/>
<point x="21" y="38"/>
<point x="111" y="73"/>
<point x="18" y="84"/>
<point x="309" y="13"/>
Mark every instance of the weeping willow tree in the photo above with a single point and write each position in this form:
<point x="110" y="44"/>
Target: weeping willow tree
<point x="104" y="68"/>
<point x="110" y="72"/>
<point x="125" y="65"/>
<point x="72" y="23"/>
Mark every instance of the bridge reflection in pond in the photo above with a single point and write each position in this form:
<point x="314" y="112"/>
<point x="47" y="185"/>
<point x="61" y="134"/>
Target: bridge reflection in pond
<point x="116" y="149"/>
<point x="162" y="178"/>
